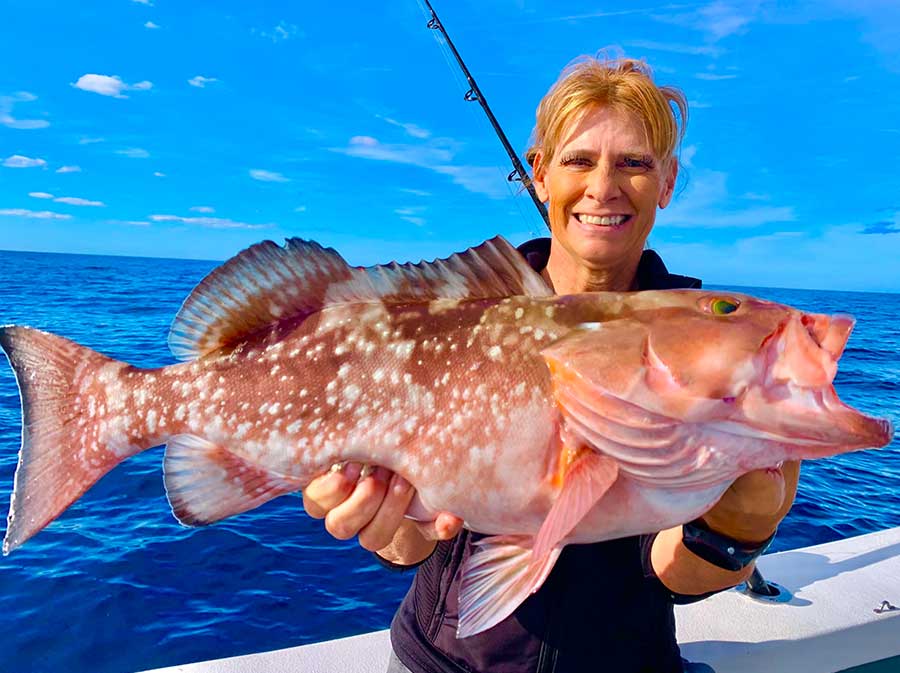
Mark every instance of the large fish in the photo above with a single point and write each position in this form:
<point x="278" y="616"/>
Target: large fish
<point x="543" y="420"/>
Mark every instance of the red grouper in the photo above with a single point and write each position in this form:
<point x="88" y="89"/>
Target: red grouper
<point x="542" y="420"/>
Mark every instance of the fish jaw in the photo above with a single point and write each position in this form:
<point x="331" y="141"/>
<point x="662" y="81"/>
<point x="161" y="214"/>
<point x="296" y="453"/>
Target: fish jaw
<point x="794" y="402"/>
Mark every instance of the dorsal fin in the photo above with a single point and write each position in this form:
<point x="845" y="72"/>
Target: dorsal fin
<point x="266" y="284"/>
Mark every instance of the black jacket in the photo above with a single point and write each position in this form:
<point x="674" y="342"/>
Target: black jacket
<point x="601" y="609"/>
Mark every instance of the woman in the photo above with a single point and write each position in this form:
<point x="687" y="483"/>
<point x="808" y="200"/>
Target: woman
<point x="604" y="160"/>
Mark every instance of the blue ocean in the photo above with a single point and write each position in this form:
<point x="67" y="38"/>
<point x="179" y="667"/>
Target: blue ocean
<point x="117" y="585"/>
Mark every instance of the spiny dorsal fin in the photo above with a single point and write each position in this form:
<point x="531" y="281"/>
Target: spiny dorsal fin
<point x="266" y="284"/>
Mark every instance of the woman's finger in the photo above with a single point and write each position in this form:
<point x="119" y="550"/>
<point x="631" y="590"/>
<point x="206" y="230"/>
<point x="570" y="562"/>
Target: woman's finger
<point x="325" y="493"/>
<point x="380" y="531"/>
<point x="444" y="527"/>
<point x="353" y="514"/>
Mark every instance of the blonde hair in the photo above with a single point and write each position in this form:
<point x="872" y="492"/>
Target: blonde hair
<point x="622" y="83"/>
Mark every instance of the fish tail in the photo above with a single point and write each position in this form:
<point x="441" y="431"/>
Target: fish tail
<point x="64" y="447"/>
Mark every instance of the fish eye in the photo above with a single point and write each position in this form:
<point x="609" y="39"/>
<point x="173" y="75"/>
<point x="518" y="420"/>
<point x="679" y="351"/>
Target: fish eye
<point x="723" y="306"/>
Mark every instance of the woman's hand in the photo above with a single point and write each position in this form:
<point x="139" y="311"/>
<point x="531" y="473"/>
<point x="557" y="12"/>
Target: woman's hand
<point x="370" y="503"/>
<point x="753" y="506"/>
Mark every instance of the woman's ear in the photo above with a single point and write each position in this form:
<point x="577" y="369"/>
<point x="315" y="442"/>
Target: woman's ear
<point x="540" y="186"/>
<point x="668" y="187"/>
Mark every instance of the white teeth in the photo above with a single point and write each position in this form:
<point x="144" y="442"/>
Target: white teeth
<point x="604" y="220"/>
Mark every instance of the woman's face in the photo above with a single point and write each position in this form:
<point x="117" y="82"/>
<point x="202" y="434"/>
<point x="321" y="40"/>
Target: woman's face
<point x="603" y="186"/>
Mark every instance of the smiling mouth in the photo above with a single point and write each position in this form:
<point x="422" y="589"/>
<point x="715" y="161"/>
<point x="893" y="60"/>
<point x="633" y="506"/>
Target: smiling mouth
<point x="603" y="220"/>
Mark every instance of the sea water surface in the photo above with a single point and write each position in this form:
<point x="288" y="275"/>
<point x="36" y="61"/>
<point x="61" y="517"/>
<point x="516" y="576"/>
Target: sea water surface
<point x="117" y="585"/>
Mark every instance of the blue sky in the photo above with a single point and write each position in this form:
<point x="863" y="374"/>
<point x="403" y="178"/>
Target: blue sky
<point x="174" y="129"/>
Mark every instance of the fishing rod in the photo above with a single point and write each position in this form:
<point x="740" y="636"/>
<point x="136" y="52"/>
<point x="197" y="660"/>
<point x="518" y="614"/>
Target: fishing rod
<point x="518" y="174"/>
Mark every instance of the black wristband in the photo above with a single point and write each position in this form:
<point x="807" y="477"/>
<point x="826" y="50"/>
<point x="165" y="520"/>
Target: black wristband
<point x="720" y="550"/>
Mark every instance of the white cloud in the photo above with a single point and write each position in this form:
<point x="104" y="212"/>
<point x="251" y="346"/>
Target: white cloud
<point x="90" y="141"/>
<point x="839" y="258"/>
<point x="69" y="169"/>
<point x="134" y="153"/>
<point x="412" y="214"/>
<point x="411" y="129"/>
<point x="200" y="81"/>
<point x="434" y="156"/>
<point x="713" y="77"/>
<point x="109" y="86"/>
<point x="267" y="176"/>
<point x="18" y="161"/>
<point x="283" y="31"/>
<point x="676" y="48"/>
<point x="210" y="222"/>
<point x="202" y="209"/>
<point x="34" y="214"/>
<point x="70" y="200"/>
<point x="149" y="3"/>
<point x="707" y="204"/>
<point x="75" y="201"/>
<point x="416" y="192"/>
<point x="717" y="20"/>
<point x="300" y="209"/>
<point x="6" y="118"/>
<point x="159" y="175"/>
<point x="151" y="25"/>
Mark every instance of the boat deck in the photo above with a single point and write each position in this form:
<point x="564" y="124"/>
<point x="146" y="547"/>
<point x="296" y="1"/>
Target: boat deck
<point x="831" y="621"/>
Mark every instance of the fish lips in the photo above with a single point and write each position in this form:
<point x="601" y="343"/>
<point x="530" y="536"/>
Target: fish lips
<point x="816" y="422"/>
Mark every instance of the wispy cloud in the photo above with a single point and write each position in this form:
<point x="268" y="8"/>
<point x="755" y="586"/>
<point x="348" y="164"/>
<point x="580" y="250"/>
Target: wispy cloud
<point x="713" y="77"/>
<point x="7" y="119"/>
<point x="34" y="214"/>
<point x="151" y="25"/>
<point x="300" y="209"/>
<point x="267" y="176"/>
<point x="158" y="174"/>
<point x="411" y="129"/>
<point x="717" y="20"/>
<point x="134" y="153"/>
<point x="436" y="156"/>
<point x="209" y="222"/>
<point x="416" y="192"/>
<point x="200" y="81"/>
<point x="707" y="204"/>
<point x="148" y="3"/>
<point x="70" y="200"/>
<point x="283" y="31"/>
<point x="676" y="48"/>
<point x="90" y="141"/>
<point x="106" y="85"/>
<point x="412" y="214"/>
<point x="69" y="169"/>
<point x="18" y="161"/>
<point x="202" y="209"/>
<point x="792" y="259"/>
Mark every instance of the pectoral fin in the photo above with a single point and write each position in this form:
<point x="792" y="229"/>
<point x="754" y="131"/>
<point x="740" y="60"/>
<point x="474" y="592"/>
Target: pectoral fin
<point x="584" y="483"/>
<point x="496" y="579"/>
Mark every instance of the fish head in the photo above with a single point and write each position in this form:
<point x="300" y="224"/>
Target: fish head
<point x="741" y="366"/>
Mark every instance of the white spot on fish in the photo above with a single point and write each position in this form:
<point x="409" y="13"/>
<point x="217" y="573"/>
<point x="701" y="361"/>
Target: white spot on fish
<point x="495" y="353"/>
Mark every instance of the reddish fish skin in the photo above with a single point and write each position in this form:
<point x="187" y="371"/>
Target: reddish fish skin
<point x="547" y="420"/>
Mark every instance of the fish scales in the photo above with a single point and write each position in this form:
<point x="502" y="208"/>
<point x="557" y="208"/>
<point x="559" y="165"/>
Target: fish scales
<point x="540" y="420"/>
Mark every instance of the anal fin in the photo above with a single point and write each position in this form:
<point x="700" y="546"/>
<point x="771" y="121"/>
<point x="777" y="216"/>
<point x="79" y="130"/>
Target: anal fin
<point x="497" y="578"/>
<point x="206" y="482"/>
<point x="586" y="481"/>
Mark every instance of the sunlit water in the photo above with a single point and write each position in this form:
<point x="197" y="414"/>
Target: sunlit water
<point x="116" y="584"/>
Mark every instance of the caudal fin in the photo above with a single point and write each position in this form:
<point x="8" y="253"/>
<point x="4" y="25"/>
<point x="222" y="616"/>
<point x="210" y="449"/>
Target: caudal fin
<point x="63" y="403"/>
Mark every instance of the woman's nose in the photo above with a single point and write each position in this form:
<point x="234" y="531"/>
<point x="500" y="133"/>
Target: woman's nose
<point x="602" y="184"/>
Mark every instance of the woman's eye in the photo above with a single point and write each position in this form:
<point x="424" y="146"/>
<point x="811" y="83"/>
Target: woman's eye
<point x="637" y="162"/>
<point x="722" y="306"/>
<point x="575" y="161"/>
